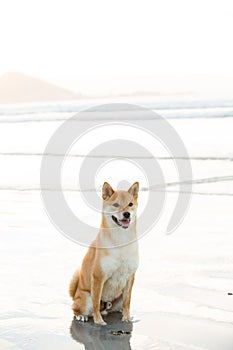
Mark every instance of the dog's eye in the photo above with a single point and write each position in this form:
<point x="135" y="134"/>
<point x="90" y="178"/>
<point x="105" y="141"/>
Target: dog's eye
<point x="130" y="204"/>
<point x="116" y="205"/>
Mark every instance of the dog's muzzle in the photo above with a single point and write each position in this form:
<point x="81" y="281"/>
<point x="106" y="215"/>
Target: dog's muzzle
<point x="124" y="223"/>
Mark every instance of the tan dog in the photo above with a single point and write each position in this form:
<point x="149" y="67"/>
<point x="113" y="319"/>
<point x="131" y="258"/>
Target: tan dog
<point x="105" y="280"/>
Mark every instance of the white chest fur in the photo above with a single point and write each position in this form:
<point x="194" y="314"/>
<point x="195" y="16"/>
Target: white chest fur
<point x="118" y="267"/>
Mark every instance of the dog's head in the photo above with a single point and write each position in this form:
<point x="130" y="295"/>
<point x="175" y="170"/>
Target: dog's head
<point x="120" y="207"/>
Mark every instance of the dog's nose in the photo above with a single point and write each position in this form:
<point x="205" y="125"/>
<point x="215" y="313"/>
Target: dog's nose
<point x="126" y="214"/>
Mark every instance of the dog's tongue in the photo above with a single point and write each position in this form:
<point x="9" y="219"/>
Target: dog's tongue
<point x="124" y="223"/>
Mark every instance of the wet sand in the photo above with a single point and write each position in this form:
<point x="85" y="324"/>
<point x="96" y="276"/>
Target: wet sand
<point x="179" y="299"/>
<point x="150" y="332"/>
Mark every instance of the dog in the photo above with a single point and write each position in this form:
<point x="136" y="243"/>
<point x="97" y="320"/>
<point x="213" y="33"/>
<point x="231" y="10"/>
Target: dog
<point x="104" y="282"/>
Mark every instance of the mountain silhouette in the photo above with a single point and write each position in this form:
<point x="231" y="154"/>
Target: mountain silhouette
<point x="19" y="88"/>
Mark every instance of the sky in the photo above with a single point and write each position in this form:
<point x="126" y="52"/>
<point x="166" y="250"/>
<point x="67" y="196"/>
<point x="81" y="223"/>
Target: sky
<point x="90" y="45"/>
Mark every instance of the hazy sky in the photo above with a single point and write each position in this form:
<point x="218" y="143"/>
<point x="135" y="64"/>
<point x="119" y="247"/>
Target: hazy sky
<point x="70" y="40"/>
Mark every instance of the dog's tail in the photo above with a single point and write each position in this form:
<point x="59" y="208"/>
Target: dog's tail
<point x="74" y="284"/>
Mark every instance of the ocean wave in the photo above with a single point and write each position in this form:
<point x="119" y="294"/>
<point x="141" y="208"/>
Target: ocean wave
<point x="169" y="109"/>
<point x="40" y="154"/>
<point x="155" y="188"/>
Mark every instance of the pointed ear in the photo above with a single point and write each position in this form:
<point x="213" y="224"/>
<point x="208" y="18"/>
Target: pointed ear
<point x="107" y="191"/>
<point x="133" y="190"/>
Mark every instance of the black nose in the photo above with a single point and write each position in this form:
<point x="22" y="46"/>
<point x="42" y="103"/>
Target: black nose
<point x="126" y="214"/>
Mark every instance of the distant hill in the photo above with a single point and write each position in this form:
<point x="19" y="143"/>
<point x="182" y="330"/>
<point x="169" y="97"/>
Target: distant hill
<point x="19" y="88"/>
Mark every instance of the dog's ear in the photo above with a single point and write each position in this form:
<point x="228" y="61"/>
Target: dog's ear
<point x="133" y="190"/>
<point x="107" y="191"/>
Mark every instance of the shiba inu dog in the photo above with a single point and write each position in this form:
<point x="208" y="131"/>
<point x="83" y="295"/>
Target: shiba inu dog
<point x="104" y="282"/>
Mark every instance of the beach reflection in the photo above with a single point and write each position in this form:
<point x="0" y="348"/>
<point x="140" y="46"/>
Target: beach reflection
<point x="116" y="335"/>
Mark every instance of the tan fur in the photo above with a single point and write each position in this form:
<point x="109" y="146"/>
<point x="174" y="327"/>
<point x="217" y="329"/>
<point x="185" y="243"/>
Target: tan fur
<point x="107" y="274"/>
<point x="74" y="284"/>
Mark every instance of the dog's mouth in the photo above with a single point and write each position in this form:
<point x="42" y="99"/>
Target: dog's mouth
<point x="122" y="223"/>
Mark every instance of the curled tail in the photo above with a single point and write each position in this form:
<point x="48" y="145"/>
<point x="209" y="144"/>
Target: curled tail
<point x="74" y="284"/>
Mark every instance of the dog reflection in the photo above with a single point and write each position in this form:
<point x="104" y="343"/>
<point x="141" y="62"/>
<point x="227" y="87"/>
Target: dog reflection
<point x="116" y="335"/>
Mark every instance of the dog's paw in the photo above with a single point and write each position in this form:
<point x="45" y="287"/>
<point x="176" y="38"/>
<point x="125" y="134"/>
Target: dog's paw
<point x="100" y="322"/>
<point x="126" y="318"/>
<point x="82" y="318"/>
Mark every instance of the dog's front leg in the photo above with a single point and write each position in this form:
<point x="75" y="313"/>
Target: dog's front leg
<point x="96" y="292"/>
<point x="126" y="299"/>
